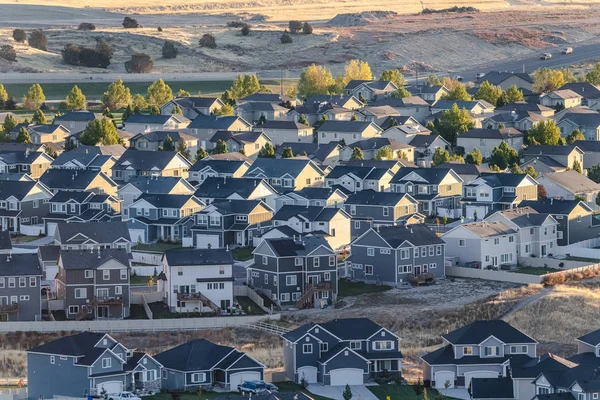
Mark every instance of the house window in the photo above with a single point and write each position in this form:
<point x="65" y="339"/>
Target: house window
<point x="179" y="271"/>
<point x="285" y="297"/>
<point x="2" y="283"/>
<point x="431" y="250"/>
<point x="580" y="396"/>
<point x="438" y="250"/>
<point x="332" y="261"/>
<point x="543" y="390"/>
<point x="461" y="243"/>
<point x="215" y="220"/>
<point x="511" y="239"/>
<point x="32" y="281"/>
<point x="89" y="274"/>
<point x="492" y="351"/>
<point x="24" y="297"/>
<point x="316" y="262"/>
<point x="52" y="359"/>
<point x="266" y="279"/>
<point x="324" y="347"/>
<point x="118" y="290"/>
<point x="423" y="251"/>
<point x="298" y="262"/>
<point x="106" y="274"/>
<point x="291" y="280"/>
<point x="368" y="270"/>
<point x="370" y="251"/>
<point x="11" y="282"/>
<point x="579" y="218"/>
<point x="356" y="345"/>
<point x="432" y="265"/>
<point x="404" y="254"/>
<point x="81" y="293"/>
<point x="518" y="349"/>
<point x="356" y="224"/>
<point x="307" y="348"/>
<point x="73" y="309"/>
<point x="264" y="260"/>
<point x="198" y="377"/>
<point x="405" y="269"/>
<point x="352" y="210"/>
<point x="22" y="282"/>
<point x="327" y="276"/>
<point x="123" y="274"/>
<point x="383" y="345"/>
<point x="386" y="211"/>
<point x="106" y="362"/>
<point x="467" y="351"/>
<point x="496" y="241"/>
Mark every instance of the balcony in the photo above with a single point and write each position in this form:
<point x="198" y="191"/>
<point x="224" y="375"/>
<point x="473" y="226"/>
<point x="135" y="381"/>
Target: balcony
<point x="109" y="301"/>
<point x="201" y="298"/>
<point x="9" y="308"/>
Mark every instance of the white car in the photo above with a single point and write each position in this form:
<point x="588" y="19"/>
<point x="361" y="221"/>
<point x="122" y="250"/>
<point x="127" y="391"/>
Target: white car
<point x="123" y="396"/>
<point x="480" y="75"/>
<point x="546" y="56"/>
<point x="568" y="50"/>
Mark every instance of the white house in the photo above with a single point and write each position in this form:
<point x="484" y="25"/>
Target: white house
<point x="197" y="280"/>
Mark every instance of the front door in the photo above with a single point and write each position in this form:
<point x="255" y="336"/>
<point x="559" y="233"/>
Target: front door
<point x="495" y="260"/>
<point x="238" y="238"/>
<point x="313" y="279"/>
<point x="417" y="270"/>
<point x="103" y="312"/>
<point x="544" y="250"/>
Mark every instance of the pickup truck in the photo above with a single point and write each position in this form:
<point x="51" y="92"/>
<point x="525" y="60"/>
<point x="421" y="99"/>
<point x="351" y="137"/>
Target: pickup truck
<point x="123" y="396"/>
<point x="256" y="387"/>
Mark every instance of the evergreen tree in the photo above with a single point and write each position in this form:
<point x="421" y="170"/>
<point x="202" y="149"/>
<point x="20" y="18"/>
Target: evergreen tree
<point x="168" y="144"/>
<point x="503" y="156"/>
<point x="575" y="136"/>
<point x="3" y="95"/>
<point x="177" y="110"/>
<point x="117" y="96"/>
<point x="347" y="395"/>
<point x="546" y="133"/>
<point x="287" y="153"/>
<point x="302" y="120"/>
<point x="226" y="110"/>
<point x="577" y="166"/>
<point x="39" y="117"/>
<point x="267" y="151"/>
<point x="594" y="173"/>
<point x="357" y="154"/>
<point x="139" y="102"/>
<point x="100" y="132"/>
<point x="9" y="123"/>
<point x="107" y="113"/>
<point x="34" y="98"/>
<point x="515" y="169"/>
<point x="511" y="95"/>
<point x="200" y="154"/>
<point x="154" y="110"/>
<point x="220" y="148"/>
<point x="529" y="170"/>
<point x="76" y="99"/>
<point x="127" y="113"/>
<point x="474" y="157"/>
<point x="23" y="136"/>
<point x="183" y="149"/>
<point x="69" y="145"/>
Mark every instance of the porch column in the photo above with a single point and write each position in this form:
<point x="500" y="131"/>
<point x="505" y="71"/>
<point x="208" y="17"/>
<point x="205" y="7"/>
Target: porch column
<point x="162" y="232"/>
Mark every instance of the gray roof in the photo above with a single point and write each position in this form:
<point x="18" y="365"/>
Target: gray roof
<point x="219" y="166"/>
<point x="100" y="232"/>
<point x="311" y="213"/>
<point x="168" y="200"/>
<point x="478" y="331"/>
<point x="584" y="89"/>
<point x="230" y="206"/>
<point x="583" y="119"/>
<point x="379" y="142"/>
<point x="431" y="175"/>
<point x="447" y="104"/>
<point x="397" y="102"/>
<point x="222" y="188"/>
<point x="344" y="126"/>
<point x="263" y="96"/>
<point x="78" y="196"/>
<point x="524" y="216"/>
<point x="86" y="259"/>
<point x="195" y="102"/>
<point x="358" y="171"/>
<point x="315" y="193"/>
<point x="488" y="229"/>
<point x="286" y="247"/>
<point x="501" y="134"/>
<point x="145" y="160"/>
<point x="18" y="189"/>
<point x="196" y="355"/>
<point x="424" y="140"/>
<point x="74" y="345"/>
<point x="499" y="180"/>
<point x="464" y="168"/>
<point x="552" y="206"/>
<point x="497" y="77"/>
<point x="80" y="116"/>
<point x="160" y="136"/>
<point x="240" y="137"/>
<point x="154" y="119"/>
<point x="177" y="257"/>
<point x="344" y="328"/>
<point x="72" y="179"/>
<point x="492" y="388"/>
<point x="155" y="185"/>
<point x="292" y="125"/>
<point x="416" y="234"/>
<point x="20" y="264"/>
<point x="273" y="167"/>
<point x="373" y="198"/>
<point x="112" y="150"/>
<point x="523" y="106"/>
<point x="574" y="181"/>
<point x="212" y="122"/>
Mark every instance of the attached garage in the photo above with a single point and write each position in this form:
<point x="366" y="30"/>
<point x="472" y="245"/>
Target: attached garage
<point x="478" y="374"/>
<point x="308" y="373"/>
<point x="202" y="241"/>
<point x="240" y="377"/>
<point x="111" y="387"/>
<point x="50" y="228"/>
<point x="442" y="377"/>
<point x="136" y="234"/>
<point x="346" y="376"/>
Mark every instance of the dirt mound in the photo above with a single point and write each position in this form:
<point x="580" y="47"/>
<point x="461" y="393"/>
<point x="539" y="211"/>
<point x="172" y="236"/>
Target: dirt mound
<point x="360" y="19"/>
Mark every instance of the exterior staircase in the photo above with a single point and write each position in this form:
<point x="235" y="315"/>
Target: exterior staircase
<point x="307" y="296"/>
<point x="83" y="312"/>
<point x="202" y="298"/>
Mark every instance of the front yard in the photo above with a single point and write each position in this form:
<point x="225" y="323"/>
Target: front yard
<point x="242" y="253"/>
<point x="349" y="288"/>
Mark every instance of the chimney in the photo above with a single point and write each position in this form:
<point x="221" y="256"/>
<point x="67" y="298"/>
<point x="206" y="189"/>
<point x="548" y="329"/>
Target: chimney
<point x="527" y="215"/>
<point x="551" y="200"/>
<point x="411" y="231"/>
<point x="227" y="248"/>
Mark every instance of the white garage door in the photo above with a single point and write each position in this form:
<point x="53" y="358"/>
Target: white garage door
<point x="478" y="374"/>
<point x="240" y="377"/>
<point x="110" y="387"/>
<point x="442" y="377"/>
<point x="202" y="241"/>
<point x="136" y="234"/>
<point x="51" y="228"/>
<point x="346" y="376"/>
<point x="308" y="373"/>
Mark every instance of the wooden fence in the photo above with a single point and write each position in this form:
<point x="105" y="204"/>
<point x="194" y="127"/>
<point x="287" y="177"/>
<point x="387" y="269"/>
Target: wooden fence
<point x="243" y="290"/>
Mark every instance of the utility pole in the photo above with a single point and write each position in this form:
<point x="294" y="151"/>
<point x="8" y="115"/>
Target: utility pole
<point x="281" y="84"/>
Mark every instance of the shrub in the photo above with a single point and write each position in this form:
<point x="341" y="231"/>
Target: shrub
<point x="286" y="37"/>
<point x="295" y="26"/>
<point x="37" y="39"/>
<point x="8" y="52"/>
<point x="307" y="29"/>
<point x="129" y="23"/>
<point x="86" y="26"/>
<point x="19" y="35"/>
<point x="169" y="50"/>
<point x="139" y="63"/>
<point x="208" y="40"/>
<point x="246" y="30"/>
<point x="77" y="55"/>
<point x="159" y="29"/>
<point x="236" y="24"/>
<point x="104" y="48"/>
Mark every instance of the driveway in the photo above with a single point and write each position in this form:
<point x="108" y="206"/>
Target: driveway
<point x="35" y="243"/>
<point x="457" y="393"/>
<point x="335" y="392"/>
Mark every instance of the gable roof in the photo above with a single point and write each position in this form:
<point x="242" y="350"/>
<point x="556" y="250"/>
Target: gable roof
<point x="18" y="189"/>
<point x="230" y="206"/>
<point x="488" y="229"/>
<point x="273" y="167"/>
<point x="214" y="122"/>
<point x="492" y="388"/>
<point x="379" y="142"/>
<point x="86" y="259"/>
<point x="72" y="179"/>
<point x="372" y="198"/>
<point x="240" y="137"/>
<point x="523" y="106"/>
<point x="155" y="184"/>
<point x="146" y="160"/>
<point x="588" y="119"/>
<point x="346" y="126"/>
<point x="497" y="77"/>
<point x="74" y="345"/>
<point x="499" y="180"/>
<point x="154" y="119"/>
<point x="573" y="181"/>
<point x="79" y="116"/>
<point x="286" y="247"/>
<point x="425" y="140"/>
<point x="416" y="234"/>
<point x="592" y="338"/>
<point x="431" y="175"/>
<point x="342" y="328"/>
<point x="160" y="136"/>
<point x="168" y="200"/>
<point x="311" y="213"/>
<point x="464" y="168"/>
<point x="292" y="125"/>
<point x="524" y="217"/>
<point x="219" y="166"/>
<point x="550" y="150"/>
<point x="478" y="331"/>
<point x="222" y="188"/>
<point x="100" y="232"/>
<point x="553" y="206"/>
<point x="20" y="265"/>
<point x="113" y="150"/>
<point x="176" y="257"/>
<point x="196" y="355"/>
<point x="195" y="102"/>
<point x="584" y="89"/>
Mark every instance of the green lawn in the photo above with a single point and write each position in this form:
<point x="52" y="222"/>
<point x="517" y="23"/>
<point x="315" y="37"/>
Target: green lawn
<point x="249" y="307"/>
<point x="536" y="271"/>
<point x="242" y="253"/>
<point x="24" y="239"/>
<point x="402" y="392"/>
<point x="139" y="280"/>
<point x="157" y="247"/>
<point x="291" y="387"/>
<point x="584" y="259"/>
<point x="348" y="288"/>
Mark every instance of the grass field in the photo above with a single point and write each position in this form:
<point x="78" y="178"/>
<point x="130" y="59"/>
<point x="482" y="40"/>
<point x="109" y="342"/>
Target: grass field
<point x="348" y="288"/>
<point x="242" y="253"/>
<point x="157" y="247"/>
<point x="536" y="271"/>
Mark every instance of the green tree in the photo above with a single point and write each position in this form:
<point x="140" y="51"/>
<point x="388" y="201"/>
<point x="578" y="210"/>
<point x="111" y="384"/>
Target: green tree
<point x="474" y="157"/>
<point x="315" y="79"/>
<point x="127" y="113"/>
<point x="220" y="147"/>
<point x="454" y="122"/>
<point x="357" y="70"/>
<point x="547" y="80"/>
<point x="395" y="76"/>
<point x="302" y="120"/>
<point x="286" y="38"/>
<point x="593" y="76"/>
<point x="154" y="110"/>
<point x="594" y="173"/>
<point x="39" y="117"/>
<point x="117" y="96"/>
<point x="575" y="136"/>
<point x="323" y="119"/>
<point x="503" y="156"/>
<point x="23" y="136"/>
<point x="183" y="149"/>
<point x="357" y="154"/>
<point x="183" y="93"/>
<point x="433" y="80"/>
<point x="168" y="144"/>
<point x="107" y="113"/>
<point x="489" y="93"/>
<point x="402" y="155"/>
<point x="295" y="26"/>
<point x="267" y="151"/>
<point x="384" y="153"/>
<point x="100" y="132"/>
<point x="347" y="395"/>
<point x="440" y="156"/>
<point x="226" y="110"/>
<point x="515" y="169"/>
<point x="76" y="99"/>
<point x="169" y="50"/>
<point x="529" y="170"/>
<point x="200" y="154"/>
<point x="458" y="93"/>
<point x="287" y="153"/>
<point x="177" y="110"/>
<point x="401" y="93"/>
<point x="577" y="166"/>
<point x="3" y="95"/>
<point x="291" y="92"/>
<point x="9" y="123"/>
<point x="307" y="29"/>
<point x="139" y="102"/>
<point x="546" y="132"/>
<point x="159" y="93"/>
<point x="511" y="95"/>
<point x="34" y="97"/>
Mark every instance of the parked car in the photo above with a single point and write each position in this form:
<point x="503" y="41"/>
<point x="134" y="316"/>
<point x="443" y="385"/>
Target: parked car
<point x="458" y="78"/>
<point x="480" y="75"/>
<point x="546" y="56"/>
<point x="123" y="396"/>
<point x="256" y="387"/>
<point x="568" y="50"/>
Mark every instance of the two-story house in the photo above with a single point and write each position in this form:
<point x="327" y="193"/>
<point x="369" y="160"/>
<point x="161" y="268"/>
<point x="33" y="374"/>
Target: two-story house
<point x="437" y="190"/>
<point x="86" y="364"/>
<point x="227" y="222"/>
<point x="429" y="93"/>
<point x="84" y="160"/>
<point x="487" y="243"/>
<point x="78" y="180"/>
<point x="80" y="207"/>
<point x="236" y="189"/>
<point x="537" y="233"/>
<point x="355" y="178"/>
<point x="93" y="236"/>
<point x="369" y="90"/>
<point x="154" y="140"/>
<point x="564" y="155"/>
<point x="205" y="126"/>
<point x="257" y="110"/>
<point x="44" y="134"/>
<point x="94" y="283"/>
<point x="425" y="147"/>
<point x="248" y="143"/>
<point x="160" y="216"/>
<point x="287" y="174"/>
<point x="493" y="191"/>
<point x="202" y="364"/>
<point x="485" y="140"/>
<point x="192" y="106"/>
<point x="348" y="131"/>
<point x="587" y="123"/>
<point x="332" y="222"/>
<point x="150" y="163"/>
<point x="505" y="79"/>
<point x="571" y="185"/>
<point x="301" y="271"/>
<point x="136" y="186"/>
<point x="481" y="349"/>
<point x="140" y="123"/>
<point x="395" y="255"/>
<point x="286" y="131"/>
<point x="370" y="148"/>
<point x="205" y="168"/>
<point x="198" y="280"/>
<point x="341" y="352"/>
<point x="23" y="204"/>
<point x="370" y="209"/>
<point x="326" y="155"/>
<point x="32" y="163"/>
<point x="20" y="287"/>
<point x="563" y="98"/>
<point x="76" y="121"/>
<point x="322" y="197"/>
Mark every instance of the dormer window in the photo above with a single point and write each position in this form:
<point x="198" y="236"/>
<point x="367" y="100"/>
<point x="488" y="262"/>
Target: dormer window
<point x="106" y="362"/>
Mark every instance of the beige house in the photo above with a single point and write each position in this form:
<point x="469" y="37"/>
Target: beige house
<point x="191" y="107"/>
<point x="563" y="155"/>
<point x="44" y="134"/>
<point x="78" y="180"/>
<point x="150" y="163"/>
<point x="155" y="140"/>
<point x="561" y="98"/>
<point x="205" y="126"/>
<point x="286" y="131"/>
<point x="248" y="143"/>
<point x="369" y="90"/>
<point x="485" y="140"/>
<point x="349" y="131"/>
<point x="255" y="111"/>
<point x="140" y="123"/>
<point x="287" y="174"/>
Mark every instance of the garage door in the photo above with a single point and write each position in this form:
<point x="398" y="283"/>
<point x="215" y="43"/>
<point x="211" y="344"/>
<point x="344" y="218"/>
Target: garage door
<point x="346" y="376"/>
<point x="110" y="387"/>
<point x="240" y="377"/>
<point x="136" y="234"/>
<point x="478" y="374"/>
<point x="442" y="377"/>
<point x="50" y="228"/>
<point x="202" y="241"/>
<point x="308" y="373"/>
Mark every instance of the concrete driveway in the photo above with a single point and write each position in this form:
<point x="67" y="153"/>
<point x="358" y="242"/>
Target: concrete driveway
<point x="335" y="392"/>
<point x="457" y="393"/>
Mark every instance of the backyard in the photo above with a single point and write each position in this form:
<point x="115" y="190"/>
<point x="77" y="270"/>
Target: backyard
<point x="536" y="271"/>
<point x="349" y="288"/>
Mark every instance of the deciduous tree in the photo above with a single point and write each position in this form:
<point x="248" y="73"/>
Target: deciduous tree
<point x="357" y="70"/>
<point x="511" y="95"/>
<point x="577" y="166"/>
<point x="395" y="76"/>
<point x="267" y="151"/>
<point x="454" y="122"/>
<point x="547" y="80"/>
<point x="433" y="80"/>
<point x="594" y="173"/>
<point x="39" y="117"/>
<point x="546" y="133"/>
<point x="220" y="147"/>
<point x="474" y="157"/>
<point x="183" y="149"/>
<point x="357" y="154"/>
<point x="575" y="136"/>
<point x="226" y="110"/>
<point x="503" y="156"/>
<point x="117" y="96"/>
<point x="489" y="93"/>
<point x="458" y="93"/>
<point x="23" y="136"/>
<point x="314" y="80"/>
<point x="9" y="123"/>
<point x="529" y="170"/>
<point x="287" y="153"/>
<point x="384" y="153"/>
<point x="139" y="102"/>
<point x="200" y="154"/>
<point x="159" y="93"/>
<point x="168" y="144"/>
<point x="401" y="93"/>
<point x="100" y="132"/>
<point x="34" y="97"/>
<point x="19" y="35"/>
